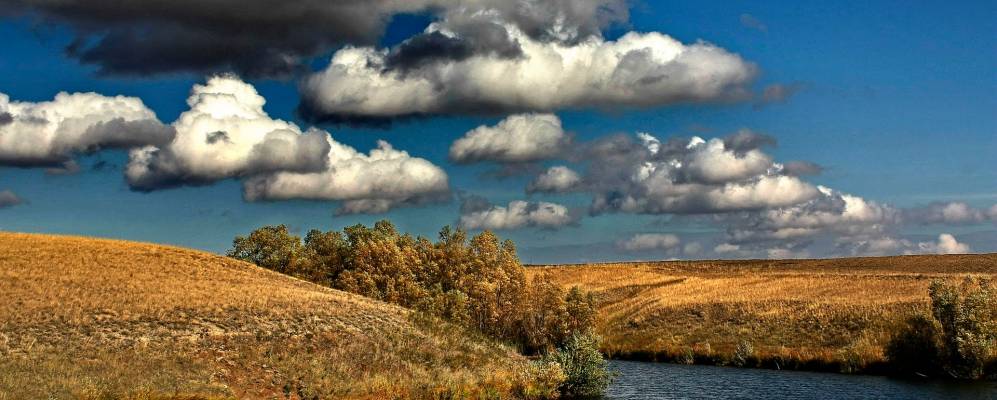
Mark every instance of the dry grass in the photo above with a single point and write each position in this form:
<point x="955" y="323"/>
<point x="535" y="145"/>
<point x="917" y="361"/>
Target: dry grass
<point x="87" y="318"/>
<point x="812" y="314"/>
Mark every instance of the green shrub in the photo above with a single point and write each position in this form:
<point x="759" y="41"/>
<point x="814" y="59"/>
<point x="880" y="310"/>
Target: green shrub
<point x="960" y="338"/>
<point x="585" y="370"/>
<point x="967" y="315"/>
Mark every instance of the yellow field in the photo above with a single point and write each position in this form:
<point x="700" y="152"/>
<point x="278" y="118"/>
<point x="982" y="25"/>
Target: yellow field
<point x="813" y="314"/>
<point x="86" y="318"/>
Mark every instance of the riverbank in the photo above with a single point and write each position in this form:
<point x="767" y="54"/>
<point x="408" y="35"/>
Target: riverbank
<point x="832" y="315"/>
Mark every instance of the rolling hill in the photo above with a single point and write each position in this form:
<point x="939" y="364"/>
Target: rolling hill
<point x="93" y="318"/>
<point x="831" y="314"/>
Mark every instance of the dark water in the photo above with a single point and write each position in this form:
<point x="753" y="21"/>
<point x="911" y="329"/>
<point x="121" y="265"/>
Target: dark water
<point x="644" y="380"/>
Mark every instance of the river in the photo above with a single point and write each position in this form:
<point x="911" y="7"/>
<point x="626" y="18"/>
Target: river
<point x="645" y="380"/>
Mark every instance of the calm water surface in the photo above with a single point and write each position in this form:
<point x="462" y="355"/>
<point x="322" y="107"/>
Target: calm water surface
<point x="645" y="380"/>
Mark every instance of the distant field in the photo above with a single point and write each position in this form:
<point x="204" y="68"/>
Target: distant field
<point x="811" y="314"/>
<point x="86" y="318"/>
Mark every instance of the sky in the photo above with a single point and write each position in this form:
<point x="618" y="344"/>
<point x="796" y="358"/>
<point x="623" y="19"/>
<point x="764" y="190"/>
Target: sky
<point x="590" y="130"/>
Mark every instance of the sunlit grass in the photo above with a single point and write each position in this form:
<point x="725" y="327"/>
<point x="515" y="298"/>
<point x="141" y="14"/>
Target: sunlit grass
<point x="813" y="314"/>
<point x="98" y="319"/>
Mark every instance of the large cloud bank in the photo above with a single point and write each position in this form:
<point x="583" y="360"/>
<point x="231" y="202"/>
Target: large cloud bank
<point x="638" y="69"/>
<point x="688" y="176"/>
<point x="226" y="134"/>
<point x="268" y="38"/>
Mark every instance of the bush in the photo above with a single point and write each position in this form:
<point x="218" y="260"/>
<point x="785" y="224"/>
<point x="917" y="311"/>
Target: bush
<point x="541" y="379"/>
<point x="914" y="349"/>
<point x="967" y="315"/>
<point x="960" y="338"/>
<point x="743" y="354"/>
<point x="585" y="370"/>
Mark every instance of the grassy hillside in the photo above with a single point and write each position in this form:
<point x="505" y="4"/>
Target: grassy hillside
<point x="813" y="314"/>
<point x="101" y="318"/>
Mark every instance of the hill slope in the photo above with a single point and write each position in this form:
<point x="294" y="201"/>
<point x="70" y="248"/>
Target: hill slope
<point x="91" y="318"/>
<point x="813" y="314"/>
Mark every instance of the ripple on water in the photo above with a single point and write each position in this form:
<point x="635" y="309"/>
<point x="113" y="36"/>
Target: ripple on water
<point x="645" y="380"/>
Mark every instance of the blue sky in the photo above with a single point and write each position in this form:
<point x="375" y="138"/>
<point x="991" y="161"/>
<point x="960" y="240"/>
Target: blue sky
<point x="897" y="103"/>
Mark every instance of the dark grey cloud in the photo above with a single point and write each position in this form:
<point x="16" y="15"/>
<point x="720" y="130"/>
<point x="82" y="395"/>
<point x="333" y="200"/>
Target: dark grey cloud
<point x="9" y="199"/>
<point x="952" y="213"/>
<point x="778" y="93"/>
<point x="121" y="134"/>
<point x="70" y="167"/>
<point x="746" y="140"/>
<point x="216" y="137"/>
<point x="487" y="38"/>
<point x="6" y="118"/>
<point x="470" y="203"/>
<point x="751" y="22"/>
<point x="254" y="37"/>
<point x="802" y="168"/>
<point x="262" y="38"/>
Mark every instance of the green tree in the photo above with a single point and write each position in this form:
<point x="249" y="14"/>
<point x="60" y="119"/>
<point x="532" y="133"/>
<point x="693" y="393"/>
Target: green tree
<point x="587" y="375"/>
<point x="967" y="315"/>
<point x="271" y="247"/>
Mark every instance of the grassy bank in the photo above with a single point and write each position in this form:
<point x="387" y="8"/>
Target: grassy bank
<point x="97" y="319"/>
<point x="825" y="315"/>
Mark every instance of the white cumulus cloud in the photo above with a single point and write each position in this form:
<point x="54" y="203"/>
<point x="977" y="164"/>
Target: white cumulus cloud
<point x="650" y="241"/>
<point x="946" y="244"/>
<point x="638" y="69"/>
<point x="518" y="138"/>
<point x="226" y="134"/>
<point x="518" y="214"/>
<point x="556" y="179"/>
<point x="693" y="176"/>
<point x="50" y="133"/>
<point x="368" y="183"/>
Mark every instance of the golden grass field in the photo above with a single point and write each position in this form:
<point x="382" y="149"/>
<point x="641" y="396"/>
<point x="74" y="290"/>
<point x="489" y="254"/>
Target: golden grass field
<point x="90" y="318"/>
<point x="808" y="314"/>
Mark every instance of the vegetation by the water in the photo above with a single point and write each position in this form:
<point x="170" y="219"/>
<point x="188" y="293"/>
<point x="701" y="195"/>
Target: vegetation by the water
<point x="834" y="315"/>
<point x="476" y="282"/>
<point x="958" y="339"/>
<point x="586" y="374"/>
<point x="104" y="319"/>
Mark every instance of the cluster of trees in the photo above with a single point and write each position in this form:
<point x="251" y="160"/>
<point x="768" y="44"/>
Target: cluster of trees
<point x="958" y="339"/>
<point x="476" y="282"/>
